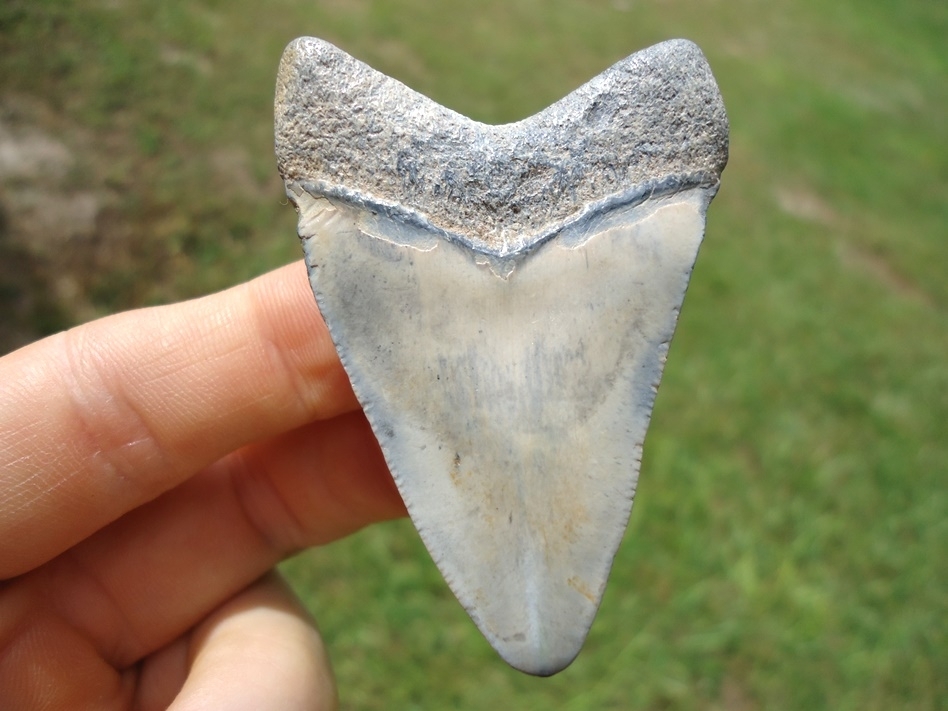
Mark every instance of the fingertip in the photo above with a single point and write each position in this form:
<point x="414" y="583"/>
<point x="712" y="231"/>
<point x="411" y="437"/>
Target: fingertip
<point x="260" y="651"/>
<point x="297" y="340"/>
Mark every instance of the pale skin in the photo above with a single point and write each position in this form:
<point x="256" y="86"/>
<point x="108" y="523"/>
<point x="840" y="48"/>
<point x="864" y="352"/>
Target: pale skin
<point x="154" y="466"/>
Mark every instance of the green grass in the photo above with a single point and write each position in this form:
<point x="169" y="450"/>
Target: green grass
<point x="787" y="549"/>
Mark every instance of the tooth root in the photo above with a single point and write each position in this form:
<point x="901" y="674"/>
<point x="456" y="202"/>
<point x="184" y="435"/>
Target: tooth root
<point x="509" y="387"/>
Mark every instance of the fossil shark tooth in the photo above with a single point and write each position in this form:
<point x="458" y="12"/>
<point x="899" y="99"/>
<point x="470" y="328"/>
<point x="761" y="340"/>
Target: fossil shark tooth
<point x="503" y="298"/>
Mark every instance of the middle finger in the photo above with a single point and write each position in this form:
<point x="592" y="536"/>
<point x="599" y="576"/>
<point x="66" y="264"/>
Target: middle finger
<point x="143" y="580"/>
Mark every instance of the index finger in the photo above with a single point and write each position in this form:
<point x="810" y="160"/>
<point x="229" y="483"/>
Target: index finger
<point x="102" y="418"/>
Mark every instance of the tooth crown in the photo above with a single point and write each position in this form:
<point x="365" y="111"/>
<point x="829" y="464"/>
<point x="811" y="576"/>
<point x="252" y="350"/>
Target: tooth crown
<point x="503" y="299"/>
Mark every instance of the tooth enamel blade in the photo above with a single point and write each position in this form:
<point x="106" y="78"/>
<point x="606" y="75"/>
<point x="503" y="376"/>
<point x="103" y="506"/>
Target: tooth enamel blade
<point x="503" y="298"/>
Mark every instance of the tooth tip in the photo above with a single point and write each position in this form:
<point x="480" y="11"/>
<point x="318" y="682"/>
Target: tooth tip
<point x="538" y="662"/>
<point x="544" y="650"/>
<point x="537" y="621"/>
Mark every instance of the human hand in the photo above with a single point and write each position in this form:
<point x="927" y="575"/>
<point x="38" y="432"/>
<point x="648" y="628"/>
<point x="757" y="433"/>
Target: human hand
<point x="154" y="466"/>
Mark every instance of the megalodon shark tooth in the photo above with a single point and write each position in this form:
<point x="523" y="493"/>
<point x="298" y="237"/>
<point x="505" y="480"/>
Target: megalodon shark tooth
<point x="503" y="298"/>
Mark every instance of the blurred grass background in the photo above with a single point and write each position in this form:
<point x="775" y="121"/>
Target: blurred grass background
<point x="787" y="549"/>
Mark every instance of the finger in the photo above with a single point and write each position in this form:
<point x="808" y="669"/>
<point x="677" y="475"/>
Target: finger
<point x="158" y="679"/>
<point x="259" y="645"/>
<point x="259" y="652"/>
<point x="139" y="583"/>
<point x="46" y="663"/>
<point x="99" y="419"/>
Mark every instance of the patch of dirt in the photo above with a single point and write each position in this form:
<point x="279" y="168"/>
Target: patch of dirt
<point x="231" y="171"/>
<point x="805" y="204"/>
<point x="85" y="232"/>
<point x="877" y="267"/>
<point x="734" y="697"/>
<point x="55" y="217"/>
